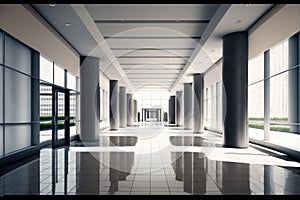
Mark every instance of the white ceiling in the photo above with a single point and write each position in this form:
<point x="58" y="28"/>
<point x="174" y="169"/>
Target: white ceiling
<point x="151" y="46"/>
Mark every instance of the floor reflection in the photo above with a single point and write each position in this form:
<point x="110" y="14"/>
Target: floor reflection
<point x="192" y="141"/>
<point x="134" y="165"/>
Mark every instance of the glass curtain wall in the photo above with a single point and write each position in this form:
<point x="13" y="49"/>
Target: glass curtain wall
<point x="17" y="85"/>
<point x="153" y="99"/>
<point x="278" y="131"/>
<point x="256" y="97"/>
<point x="53" y="75"/>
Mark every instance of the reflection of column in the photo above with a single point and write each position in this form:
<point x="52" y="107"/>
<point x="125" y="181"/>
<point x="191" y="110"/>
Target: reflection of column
<point x="199" y="174"/>
<point x="294" y="82"/>
<point x="179" y="108"/>
<point x="187" y="102"/>
<point x="235" y="178"/>
<point x="113" y="172"/>
<point x="268" y="183"/>
<point x="89" y="80"/>
<point x="178" y="166"/>
<point x="187" y="171"/>
<point x="129" y="110"/>
<point x="122" y="107"/>
<point x="198" y="103"/>
<point x="114" y="104"/>
<point x="88" y="169"/>
<point x="235" y="79"/>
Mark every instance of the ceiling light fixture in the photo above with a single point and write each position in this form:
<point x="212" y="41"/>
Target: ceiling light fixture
<point x="52" y="5"/>
<point x="67" y="24"/>
<point x="248" y="5"/>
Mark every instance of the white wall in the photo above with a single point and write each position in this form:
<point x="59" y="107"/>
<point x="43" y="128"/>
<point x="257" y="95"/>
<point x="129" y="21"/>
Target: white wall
<point x="280" y="23"/>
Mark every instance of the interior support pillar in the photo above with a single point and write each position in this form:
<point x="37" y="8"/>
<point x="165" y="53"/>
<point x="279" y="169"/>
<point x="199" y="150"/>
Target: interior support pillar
<point x="198" y="103"/>
<point x="122" y="107"/>
<point x="235" y="98"/>
<point x="114" y="104"/>
<point x="188" y="108"/>
<point x="89" y="81"/>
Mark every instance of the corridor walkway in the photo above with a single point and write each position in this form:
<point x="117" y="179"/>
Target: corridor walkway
<point x="151" y="159"/>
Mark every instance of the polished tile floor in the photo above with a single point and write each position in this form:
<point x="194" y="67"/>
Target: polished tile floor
<point x="154" y="160"/>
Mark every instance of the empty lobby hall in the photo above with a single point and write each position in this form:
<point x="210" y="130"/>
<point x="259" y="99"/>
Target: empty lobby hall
<point x="149" y="99"/>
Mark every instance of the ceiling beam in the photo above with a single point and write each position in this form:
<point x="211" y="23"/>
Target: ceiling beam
<point x="102" y="45"/>
<point x="136" y="21"/>
<point x="219" y="14"/>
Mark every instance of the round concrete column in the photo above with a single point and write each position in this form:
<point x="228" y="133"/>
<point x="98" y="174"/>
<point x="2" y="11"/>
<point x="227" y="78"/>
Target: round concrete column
<point x="114" y="104"/>
<point x="235" y="98"/>
<point x="129" y="110"/>
<point x="179" y="108"/>
<point x="188" y="106"/>
<point x="198" y="103"/>
<point x="89" y="80"/>
<point x="122" y="107"/>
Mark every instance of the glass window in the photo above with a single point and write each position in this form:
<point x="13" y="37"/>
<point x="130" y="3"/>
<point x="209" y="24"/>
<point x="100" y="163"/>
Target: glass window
<point x="279" y="58"/>
<point x="219" y="105"/>
<point x="71" y="81"/>
<point x="256" y="110"/>
<point x="59" y="76"/>
<point x="17" y="55"/>
<point x="1" y="141"/>
<point x="46" y="70"/>
<point x="1" y="93"/>
<point x="256" y="69"/>
<point x="17" y="97"/>
<point x="72" y="113"/>
<point x="17" y="137"/>
<point x="1" y="47"/>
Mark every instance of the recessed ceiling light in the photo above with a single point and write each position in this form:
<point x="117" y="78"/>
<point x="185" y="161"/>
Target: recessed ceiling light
<point x="67" y="24"/>
<point x="52" y="5"/>
<point x="247" y="5"/>
<point x="238" y="21"/>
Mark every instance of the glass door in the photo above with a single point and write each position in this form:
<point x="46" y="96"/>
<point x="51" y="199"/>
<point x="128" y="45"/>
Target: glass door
<point x="61" y="116"/>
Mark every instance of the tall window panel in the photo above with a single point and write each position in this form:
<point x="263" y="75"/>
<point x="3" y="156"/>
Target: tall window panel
<point x="1" y="141"/>
<point x="17" y="137"/>
<point x="1" y="82"/>
<point x="16" y="101"/>
<point x="17" y="97"/>
<point x="279" y="58"/>
<point x="279" y="86"/>
<point x="256" y="97"/>
<point x="46" y="70"/>
<point x="219" y="105"/>
<point x="71" y="81"/>
<point x="206" y="107"/>
<point x="59" y="76"/>
<point x="256" y="110"/>
<point x="1" y="47"/>
<point x="17" y="55"/>
<point x="1" y="93"/>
